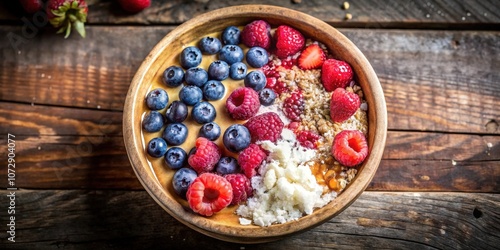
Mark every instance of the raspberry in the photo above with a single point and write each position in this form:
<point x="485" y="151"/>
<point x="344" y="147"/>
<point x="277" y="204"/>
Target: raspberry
<point x="243" y="103"/>
<point x="307" y="139"/>
<point x="242" y="189"/>
<point x="267" y="126"/>
<point x="288" y="41"/>
<point x="250" y="159"/>
<point x="257" y="33"/>
<point x="206" y="155"/>
<point x="349" y="147"/>
<point x="293" y="106"/>
<point x="209" y="193"/>
<point x="343" y="104"/>
<point x="335" y="74"/>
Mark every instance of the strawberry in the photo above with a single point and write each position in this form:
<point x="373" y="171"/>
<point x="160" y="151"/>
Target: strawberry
<point x="350" y="148"/>
<point x="134" y="6"/>
<point x="312" y="57"/>
<point x="343" y="104"/>
<point x="209" y="193"/>
<point x="64" y="14"/>
<point x="31" y="6"/>
<point x="335" y="74"/>
<point x="288" y="41"/>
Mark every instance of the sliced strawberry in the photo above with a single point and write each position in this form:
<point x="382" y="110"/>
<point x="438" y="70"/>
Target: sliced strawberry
<point x="312" y="57"/>
<point x="343" y="104"/>
<point x="288" y="41"/>
<point x="350" y="148"/>
<point x="209" y="193"/>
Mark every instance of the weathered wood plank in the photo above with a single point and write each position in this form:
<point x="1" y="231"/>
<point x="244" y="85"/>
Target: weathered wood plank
<point x="80" y="219"/>
<point x="365" y="13"/>
<point x="22" y="119"/>
<point x="411" y="162"/>
<point x="433" y="81"/>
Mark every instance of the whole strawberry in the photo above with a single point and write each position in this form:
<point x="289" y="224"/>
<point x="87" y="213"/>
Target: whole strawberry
<point x="343" y="104"/>
<point x="31" y="6"/>
<point x="65" y="14"/>
<point x="335" y="74"/>
<point x="134" y="6"/>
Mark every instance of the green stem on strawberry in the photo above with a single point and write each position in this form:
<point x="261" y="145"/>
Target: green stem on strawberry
<point x="67" y="15"/>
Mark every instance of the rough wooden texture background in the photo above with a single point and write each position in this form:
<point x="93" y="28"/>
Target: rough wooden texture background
<point x="437" y="186"/>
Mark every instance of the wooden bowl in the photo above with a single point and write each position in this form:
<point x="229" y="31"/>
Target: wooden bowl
<point x="225" y="225"/>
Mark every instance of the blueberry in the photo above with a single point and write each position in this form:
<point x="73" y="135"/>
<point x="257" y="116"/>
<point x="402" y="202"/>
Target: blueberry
<point x="236" y="138"/>
<point x="153" y="121"/>
<point x="182" y="179"/>
<point x="173" y="76"/>
<point x="196" y="76"/>
<point x="210" y="45"/>
<point x="257" y="57"/>
<point x="227" y="165"/>
<point x="210" y="131"/>
<point x="231" y="54"/>
<point x="190" y="57"/>
<point x="231" y="35"/>
<point x="157" y="147"/>
<point x="218" y="70"/>
<point x="157" y="99"/>
<point x="203" y="112"/>
<point x="177" y="111"/>
<point x="175" y="133"/>
<point x="190" y="95"/>
<point x="175" y="158"/>
<point x="238" y="71"/>
<point x="255" y="80"/>
<point x="213" y="90"/>
<point x="266" y="97"/>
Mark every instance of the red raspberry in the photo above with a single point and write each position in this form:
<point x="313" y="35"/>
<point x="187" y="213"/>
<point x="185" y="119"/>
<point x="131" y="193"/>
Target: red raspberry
<point x="336" y="74"/>
<point x="205" y="157"/>
<point x="209" y="193"/>
<point x="242" y="189"/>
<point x="307" y="139"/>
<point x="288" y="41"/>
<point x="267" y="126"/>
<point x="350" y="148"/>
<point x="293" y="106"/>
<point x="243" y="103"/>
<point x="250" y="159"/>
<point x="257" y="33"/>
<point x="343" y="104"/>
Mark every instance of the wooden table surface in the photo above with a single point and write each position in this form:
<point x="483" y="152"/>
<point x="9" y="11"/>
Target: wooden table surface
<point x="437" y="186"/>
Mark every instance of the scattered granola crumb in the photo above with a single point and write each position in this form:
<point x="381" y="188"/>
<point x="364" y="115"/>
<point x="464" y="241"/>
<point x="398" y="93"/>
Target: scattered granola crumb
<point x="348" y="16"/>
<point x="345" y="5"/>
<point x="453" y="162"/>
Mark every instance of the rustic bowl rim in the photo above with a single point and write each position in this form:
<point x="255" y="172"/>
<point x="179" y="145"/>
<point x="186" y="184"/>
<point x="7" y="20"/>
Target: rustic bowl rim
<point x="253" y="234"/>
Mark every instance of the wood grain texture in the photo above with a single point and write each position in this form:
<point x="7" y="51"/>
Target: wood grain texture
<point x="365" y="13"/>
<point x="433" y="80"/>
<point x="22" y="119"/>
<point x="46" y="219"/>
<point x="412" y="161"/>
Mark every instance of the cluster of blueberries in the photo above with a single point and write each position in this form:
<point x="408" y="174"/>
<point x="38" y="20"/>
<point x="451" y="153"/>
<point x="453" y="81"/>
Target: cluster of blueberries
<point x="201" y="87"/>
